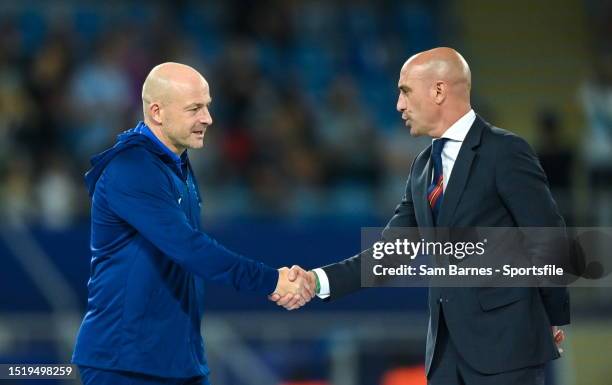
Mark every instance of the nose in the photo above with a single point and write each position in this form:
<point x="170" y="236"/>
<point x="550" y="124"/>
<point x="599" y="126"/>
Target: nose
<point x="206" y="117"/>
<point x="401" y="105"/>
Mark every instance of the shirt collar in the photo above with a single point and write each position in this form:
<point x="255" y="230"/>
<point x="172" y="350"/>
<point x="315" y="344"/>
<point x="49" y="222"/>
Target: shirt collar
<point x="458" y="131"/>
<point x="142" y="128"/>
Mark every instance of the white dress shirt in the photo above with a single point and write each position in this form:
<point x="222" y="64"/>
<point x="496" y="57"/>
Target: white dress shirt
<point x="456" y="135"/>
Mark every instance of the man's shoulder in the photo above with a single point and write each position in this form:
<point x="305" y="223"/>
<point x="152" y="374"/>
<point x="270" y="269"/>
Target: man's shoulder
<point x="135" y="165"/>
<point x="137" y="154"/>
<point x="501" y="139"/>
<point x="135" y="157"/>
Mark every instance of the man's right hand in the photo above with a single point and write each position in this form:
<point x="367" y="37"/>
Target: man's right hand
<point x="295" y="288"/>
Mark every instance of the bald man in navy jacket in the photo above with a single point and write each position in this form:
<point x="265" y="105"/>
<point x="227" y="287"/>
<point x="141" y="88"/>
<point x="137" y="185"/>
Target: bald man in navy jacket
<point x="149" y="253"/>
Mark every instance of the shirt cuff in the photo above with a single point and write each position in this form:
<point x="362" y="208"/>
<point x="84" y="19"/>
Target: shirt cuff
<point x="324" y="291"/>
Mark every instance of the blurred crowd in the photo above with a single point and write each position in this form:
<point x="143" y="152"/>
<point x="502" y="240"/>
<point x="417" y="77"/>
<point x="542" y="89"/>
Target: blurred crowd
<point x="303" y="105"/>
<point x="303" y="100"/>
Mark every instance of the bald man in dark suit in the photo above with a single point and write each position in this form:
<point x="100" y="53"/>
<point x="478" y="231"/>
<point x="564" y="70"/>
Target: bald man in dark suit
<point x="473" y="175"/>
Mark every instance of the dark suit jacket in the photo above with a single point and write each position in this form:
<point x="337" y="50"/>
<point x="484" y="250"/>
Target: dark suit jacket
<point x="496" y="181"/>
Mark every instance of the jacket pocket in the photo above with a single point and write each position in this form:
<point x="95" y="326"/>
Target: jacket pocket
<point x="496" y="297"/>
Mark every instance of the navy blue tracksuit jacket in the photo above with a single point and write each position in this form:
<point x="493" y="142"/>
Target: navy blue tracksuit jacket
<point x="149" y="257"/>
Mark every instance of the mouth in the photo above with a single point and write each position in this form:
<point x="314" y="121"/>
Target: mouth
<point x="199" y="132"/>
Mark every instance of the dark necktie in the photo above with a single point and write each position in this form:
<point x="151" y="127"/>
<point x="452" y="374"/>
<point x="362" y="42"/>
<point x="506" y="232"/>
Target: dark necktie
<point x="435" y="192"/>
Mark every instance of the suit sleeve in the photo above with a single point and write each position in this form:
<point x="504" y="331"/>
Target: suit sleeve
<point x="140" y="193"/>
<point x="523" y="187"/>
<point x="345" y="276"/>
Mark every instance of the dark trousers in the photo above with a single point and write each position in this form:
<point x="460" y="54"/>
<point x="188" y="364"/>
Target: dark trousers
<point x="448" y="368"/>
<point x="94" y="376"/>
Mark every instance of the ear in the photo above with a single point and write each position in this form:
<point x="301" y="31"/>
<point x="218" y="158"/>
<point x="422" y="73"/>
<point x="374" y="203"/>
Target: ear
<point x="155" y="113"/>
<point x="440" y="91"/>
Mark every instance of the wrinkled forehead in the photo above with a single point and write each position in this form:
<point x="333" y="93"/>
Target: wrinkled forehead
<point x="196" y="88"/>
<point x="411" y="72"/>
<point x="194" y="81"/>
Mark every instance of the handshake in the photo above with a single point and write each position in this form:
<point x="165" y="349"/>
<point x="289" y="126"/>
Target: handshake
<point x="295" y="287"/>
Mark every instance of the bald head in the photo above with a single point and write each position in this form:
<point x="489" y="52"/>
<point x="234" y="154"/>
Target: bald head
<point x="166" y="80"/>
<point x="434" y="90"/>
<point x="175" y="103"/>
<point x="443" y="64"/>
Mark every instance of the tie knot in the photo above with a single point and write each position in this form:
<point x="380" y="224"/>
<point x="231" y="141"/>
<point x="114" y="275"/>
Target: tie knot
<point x="437" y="147"/>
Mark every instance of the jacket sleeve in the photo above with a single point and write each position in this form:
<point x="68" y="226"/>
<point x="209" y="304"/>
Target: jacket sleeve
<point x="345" y="276"/>
<point x="523" y="187"/>
<point x="139" y="192"/>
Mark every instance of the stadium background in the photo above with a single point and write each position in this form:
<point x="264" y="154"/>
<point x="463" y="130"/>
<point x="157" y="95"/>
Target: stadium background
<point x="305" y="150"/>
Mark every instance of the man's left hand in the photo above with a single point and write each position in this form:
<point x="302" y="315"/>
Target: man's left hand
<point x="558" y="337"/>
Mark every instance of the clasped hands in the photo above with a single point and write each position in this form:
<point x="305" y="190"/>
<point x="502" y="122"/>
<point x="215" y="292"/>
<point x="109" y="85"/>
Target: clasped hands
<point x="295" y="287"/>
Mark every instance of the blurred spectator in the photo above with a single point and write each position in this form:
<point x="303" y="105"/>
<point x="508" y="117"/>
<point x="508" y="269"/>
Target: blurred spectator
<point x="557" y="160"/>
<point x="348" y="136"/>
<point x="15" y="192"/>
<point x="99" y="99"/>
<point x="56" y="194"/>
<point x="16" y="108"/>
<point x="596" y="95"/>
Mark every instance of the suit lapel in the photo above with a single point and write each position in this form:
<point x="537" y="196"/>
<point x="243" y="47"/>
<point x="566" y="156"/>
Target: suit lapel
<point x="421" y="205"/>
<point x="460" y="173"/>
